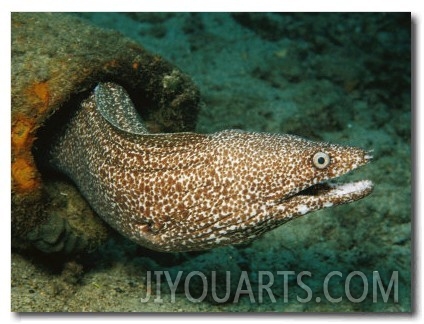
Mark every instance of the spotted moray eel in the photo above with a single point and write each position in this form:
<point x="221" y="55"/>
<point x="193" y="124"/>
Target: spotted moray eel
<point x="187" y="191"/>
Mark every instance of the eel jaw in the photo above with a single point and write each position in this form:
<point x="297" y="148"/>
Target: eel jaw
<point x="358" y="189"/>
<point x="328" y="194"/>
<point x="334" y="189"/>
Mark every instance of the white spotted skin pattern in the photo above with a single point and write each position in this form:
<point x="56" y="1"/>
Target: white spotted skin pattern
<point x="187" y="191"/>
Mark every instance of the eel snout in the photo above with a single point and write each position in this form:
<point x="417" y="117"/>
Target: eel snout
<point x="330" y="192"/>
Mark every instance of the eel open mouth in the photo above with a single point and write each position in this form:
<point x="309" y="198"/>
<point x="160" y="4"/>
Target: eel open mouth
<point x="337" y="189"/>
<point x="328" y="194"/>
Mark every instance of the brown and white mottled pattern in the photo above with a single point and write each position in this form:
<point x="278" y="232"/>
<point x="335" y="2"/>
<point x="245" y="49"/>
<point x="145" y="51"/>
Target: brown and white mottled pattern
<point x="187" y="191"/>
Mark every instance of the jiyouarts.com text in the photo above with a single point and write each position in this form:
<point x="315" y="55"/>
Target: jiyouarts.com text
<point x="267" y="286"/>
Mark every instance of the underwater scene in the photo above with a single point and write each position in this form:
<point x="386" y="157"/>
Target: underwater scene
<point x="211" y="162"/>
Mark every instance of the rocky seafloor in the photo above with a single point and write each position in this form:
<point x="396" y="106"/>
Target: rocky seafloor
<point x="341" y="78"/>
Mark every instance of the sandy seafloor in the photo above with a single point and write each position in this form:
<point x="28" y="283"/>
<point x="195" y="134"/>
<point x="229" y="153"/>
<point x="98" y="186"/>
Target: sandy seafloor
<point x="342" y="78"/>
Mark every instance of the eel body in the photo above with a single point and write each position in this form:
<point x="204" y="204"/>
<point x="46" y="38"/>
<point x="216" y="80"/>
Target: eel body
<point x="187" y="191"/>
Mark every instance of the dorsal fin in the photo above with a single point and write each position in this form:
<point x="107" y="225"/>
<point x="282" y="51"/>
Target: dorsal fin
<point x="115" y="105"/>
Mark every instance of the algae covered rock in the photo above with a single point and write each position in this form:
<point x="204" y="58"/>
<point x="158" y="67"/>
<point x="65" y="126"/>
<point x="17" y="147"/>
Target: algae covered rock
<point x="57" y="59"/>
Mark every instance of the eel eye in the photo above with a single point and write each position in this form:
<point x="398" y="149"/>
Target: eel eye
<point x="321" y="160"/>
